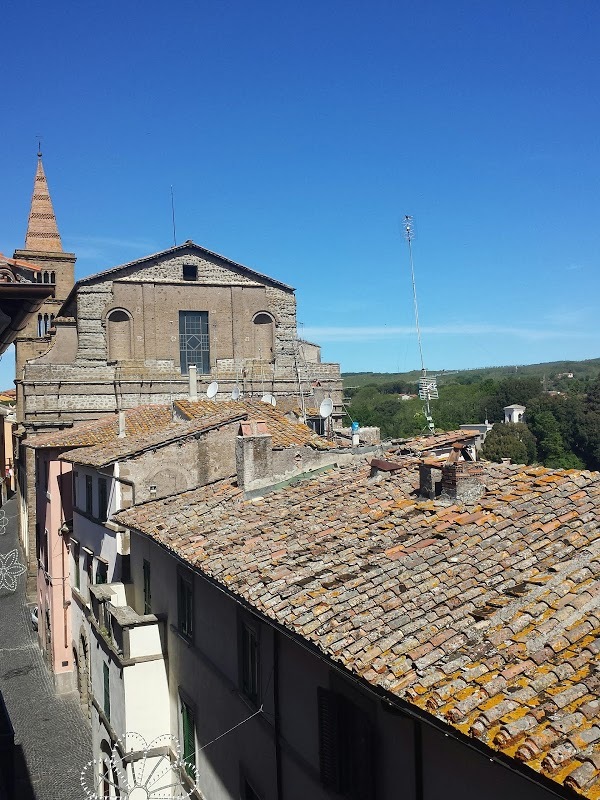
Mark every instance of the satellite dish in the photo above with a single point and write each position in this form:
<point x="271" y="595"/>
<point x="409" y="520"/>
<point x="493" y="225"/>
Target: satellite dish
<point x="235" y="394"/>
<point x="326" y="407"/>
<point x="212" y="390"/>
<point x="269" y="398"/>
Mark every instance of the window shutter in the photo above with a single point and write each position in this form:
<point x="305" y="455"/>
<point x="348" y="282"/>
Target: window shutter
<point x="329" y="738"/>
<point x="361" y="766"/>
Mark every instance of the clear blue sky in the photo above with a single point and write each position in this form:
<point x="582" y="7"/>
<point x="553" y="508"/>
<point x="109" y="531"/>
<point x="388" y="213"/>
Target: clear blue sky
<point x="297" y="135"/>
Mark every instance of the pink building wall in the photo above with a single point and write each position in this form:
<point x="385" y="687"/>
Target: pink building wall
<point x="54" y="507"/>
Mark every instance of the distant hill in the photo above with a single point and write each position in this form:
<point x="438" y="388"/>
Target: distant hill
<point x="549" y="370"/>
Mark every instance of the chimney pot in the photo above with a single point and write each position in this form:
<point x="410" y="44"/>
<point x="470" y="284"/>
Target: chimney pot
<point x="193" y="382"/>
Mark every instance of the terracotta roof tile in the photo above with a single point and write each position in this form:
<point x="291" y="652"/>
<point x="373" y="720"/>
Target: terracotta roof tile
<point x="118" y="448"/>
<point x="139" y="421"/>
<point x="284" y="432"/>
<point x="488" y="621"/>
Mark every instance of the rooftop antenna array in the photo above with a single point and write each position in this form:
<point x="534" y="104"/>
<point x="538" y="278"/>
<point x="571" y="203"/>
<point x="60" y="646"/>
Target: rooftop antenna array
<point x="427" y="385"/>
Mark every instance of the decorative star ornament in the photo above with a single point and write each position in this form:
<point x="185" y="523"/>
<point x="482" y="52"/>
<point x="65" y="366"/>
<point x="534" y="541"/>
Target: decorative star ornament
<point x="136" y="770"/>
<point x="10" y="569"/>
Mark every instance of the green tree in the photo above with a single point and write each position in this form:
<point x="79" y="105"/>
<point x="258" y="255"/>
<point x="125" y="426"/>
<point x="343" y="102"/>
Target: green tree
<point x="513" y="441"/>
<point x="551" y="445"/>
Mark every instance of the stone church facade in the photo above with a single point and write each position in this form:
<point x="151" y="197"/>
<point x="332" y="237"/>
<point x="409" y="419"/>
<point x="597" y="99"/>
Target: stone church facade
<point x="155" y="330"/>
<point x="128" y="336"/>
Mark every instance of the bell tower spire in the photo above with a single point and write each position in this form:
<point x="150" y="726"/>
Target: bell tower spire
<point x="42" y="230"/>
<point x="43" y="247"/>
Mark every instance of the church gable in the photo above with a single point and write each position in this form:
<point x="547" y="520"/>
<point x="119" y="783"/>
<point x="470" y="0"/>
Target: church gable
<point x="186" y="263"/>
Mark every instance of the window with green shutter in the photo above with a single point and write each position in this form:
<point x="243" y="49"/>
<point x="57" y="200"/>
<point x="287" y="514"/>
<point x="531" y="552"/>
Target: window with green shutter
<point x="106" y="676"/>
<point x="189" y="738"/>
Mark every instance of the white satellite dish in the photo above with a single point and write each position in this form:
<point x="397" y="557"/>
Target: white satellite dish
<point x="235" y="394"/>
<point x="326" y="408"/>
<point x="212" y="390"/>
<point x="269" y="398"/>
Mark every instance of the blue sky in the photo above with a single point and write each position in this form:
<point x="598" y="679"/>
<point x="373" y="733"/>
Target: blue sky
<point x="297" y="135"/>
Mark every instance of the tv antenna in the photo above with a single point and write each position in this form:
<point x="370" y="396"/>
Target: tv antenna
<point x="427" y="385"/>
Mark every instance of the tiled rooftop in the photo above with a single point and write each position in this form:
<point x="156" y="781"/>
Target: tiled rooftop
<point x="485" y="616"/>
<point x="139" y="421"/>
<point x="101" y="455"/>
<point x="433" y="441"/>
<point x="285" y="433"/>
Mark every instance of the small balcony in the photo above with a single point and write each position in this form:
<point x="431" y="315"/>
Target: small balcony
<point x="130" y="636"/>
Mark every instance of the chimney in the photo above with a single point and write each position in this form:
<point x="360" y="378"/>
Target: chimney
<point x="461" y="481"/>
<point x="430" y="476"/>
<point x="193" y="383"/>
<point x="121" y="424"/>
<point x="254" y="455"/>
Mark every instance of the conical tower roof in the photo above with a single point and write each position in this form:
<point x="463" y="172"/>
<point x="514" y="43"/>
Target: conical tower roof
<point x="42" y="230"/>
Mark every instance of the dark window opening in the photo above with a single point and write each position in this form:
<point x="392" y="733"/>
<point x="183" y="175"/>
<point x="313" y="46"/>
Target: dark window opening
<point x="249" y="793"/>
<point x="101" y="571"/>
<point x="77" y="568"/>
<point x="194" y="341"/>
<point x="102" y="499"/>
<point x="53" y="277"/>
<point x="346" y="747"/>
<point x="249" y="662"/>
<point x="106" y="681"/>
<point x="89" y="566"/>
<point x="185" y="606"/>
<point x="147" y="593"/>
<point x="89" y="494"/>
<point x="190" y="272"/>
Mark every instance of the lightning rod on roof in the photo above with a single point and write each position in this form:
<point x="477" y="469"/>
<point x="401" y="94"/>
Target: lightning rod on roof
<point x="427" y="385"/>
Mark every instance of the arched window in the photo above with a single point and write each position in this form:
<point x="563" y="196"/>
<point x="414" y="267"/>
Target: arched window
<point x="53" y="277"/>
<point x="46" y="324"/>
<point x="40" y="325"/>
<point x="264" y="336"/>
<point x="118" y="325"/>
<point x="46" y="277"/>
<point x="39" y="277"/>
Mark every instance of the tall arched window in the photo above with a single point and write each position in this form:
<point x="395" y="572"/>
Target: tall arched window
<point x="53" y="277"/>
<point x="46" y="324"/>
<point x="46" y="277"/>
<point x="118" y="325"/>
<point x="40" y="325"/>
<point x="264" y="336"/>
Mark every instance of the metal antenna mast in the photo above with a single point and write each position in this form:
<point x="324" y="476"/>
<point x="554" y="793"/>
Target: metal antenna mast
<point x="173" y="217"/>
<point x="427" y="386"/>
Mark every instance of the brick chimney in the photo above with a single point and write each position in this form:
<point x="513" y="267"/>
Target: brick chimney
<point x="461" y="481"/>
<point x="254" y="455"/>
